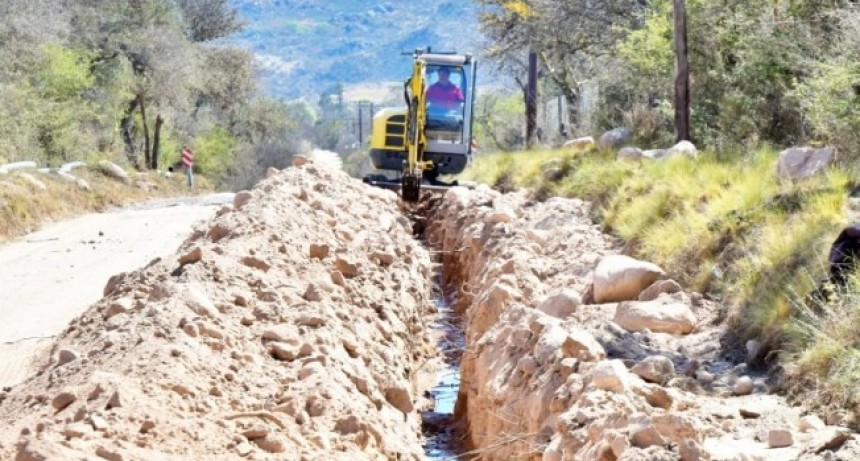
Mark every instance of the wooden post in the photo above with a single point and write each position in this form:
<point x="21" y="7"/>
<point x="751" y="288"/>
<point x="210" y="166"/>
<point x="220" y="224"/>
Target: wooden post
<point x="682" y="73"/>
<point x="531" y="100"/>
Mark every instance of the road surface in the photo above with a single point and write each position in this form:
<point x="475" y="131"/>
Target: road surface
<point x="50" y="276"/>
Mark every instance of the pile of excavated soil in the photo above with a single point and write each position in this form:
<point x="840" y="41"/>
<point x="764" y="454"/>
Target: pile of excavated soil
<point x="288" y="327"/>
<point x="549" y="374"/>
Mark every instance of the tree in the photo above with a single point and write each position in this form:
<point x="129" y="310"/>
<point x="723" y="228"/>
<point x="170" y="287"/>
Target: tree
<point x="571" y="37"/>
<point x="207" y="20"/>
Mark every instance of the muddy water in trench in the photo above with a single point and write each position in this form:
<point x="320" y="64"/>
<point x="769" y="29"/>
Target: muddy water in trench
<point x="438" y="425"/>
<point x="441" y="434"/>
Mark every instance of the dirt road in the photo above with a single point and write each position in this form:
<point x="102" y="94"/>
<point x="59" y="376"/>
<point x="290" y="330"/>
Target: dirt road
<point x="50" y="276"/>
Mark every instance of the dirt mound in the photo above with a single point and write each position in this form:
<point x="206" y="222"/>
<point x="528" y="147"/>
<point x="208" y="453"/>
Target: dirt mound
<point x="288" y="327"/>
<point x="547" y="374"/>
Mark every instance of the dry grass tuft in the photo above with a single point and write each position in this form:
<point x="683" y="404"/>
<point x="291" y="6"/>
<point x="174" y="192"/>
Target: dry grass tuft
<point x="24" y="208"/>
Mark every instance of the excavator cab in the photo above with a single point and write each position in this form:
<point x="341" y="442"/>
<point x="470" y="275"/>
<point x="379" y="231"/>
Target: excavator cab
<point x="432" y="135"/>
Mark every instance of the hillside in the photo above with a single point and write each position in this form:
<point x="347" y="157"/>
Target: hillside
<point x="306" y="46"/>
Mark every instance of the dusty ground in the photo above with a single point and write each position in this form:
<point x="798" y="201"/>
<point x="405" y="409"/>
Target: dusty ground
<point x="52" y="275"/>
<point x="288" y="327"/>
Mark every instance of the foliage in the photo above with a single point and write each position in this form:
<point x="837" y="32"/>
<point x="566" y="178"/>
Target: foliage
<point x="723" y="224"/>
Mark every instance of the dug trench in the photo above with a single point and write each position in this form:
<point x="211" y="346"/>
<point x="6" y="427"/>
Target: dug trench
<point x="298" y="324"/>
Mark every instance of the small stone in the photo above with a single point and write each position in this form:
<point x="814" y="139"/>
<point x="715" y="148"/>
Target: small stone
<point x="63" y="400"/>
<point x="312" y="293"/>
<point x="193" y="256"/>
<point x="779" y="438"/>
<point x="66" y="355"/>
<point x="241" y="199"/>
<point x="272" y="444"/>
<point x="319" y="251"/>
<point x="108" y="454"/>
<point x="337" y="278"/>
<point x="811" y="423"/>
<point x="147" y="426"/>
<point x="98" y="423"/>
<point x="300" y="160"/>
<point x="690" y="451"/>
<point x="244" y="449"/>
<point x="748" y="413"/>
<point x="644" y="437"/>
<point x="610" y="375"/>
<point x="400" y="397"/>
<point x="115" y="401"/>
<point x="383" y="258"/>
<point x="705" y="377"/>
<point x="655" y="369"/>
<point x="76" y="430"/>
<point x="829" y="439"/>
<point x="283" y="351"/>
<point x="743" y="386"/>
<point x="120" y="306"/>
<point x="256" y="263"/>
<point x="256" y="432"/>
<point x="348" y="268"/>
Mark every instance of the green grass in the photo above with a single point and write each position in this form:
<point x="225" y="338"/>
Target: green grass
<point x="724" y="225"/>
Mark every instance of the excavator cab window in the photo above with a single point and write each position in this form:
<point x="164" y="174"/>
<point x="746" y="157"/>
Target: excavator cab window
<point x="446" y="97"/>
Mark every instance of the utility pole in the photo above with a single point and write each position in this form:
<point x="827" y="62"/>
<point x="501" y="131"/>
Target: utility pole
<point x="682" y="73"/>
<point x="360" y="131"/>
<point x="531" y="100"/>
<point x="561" y="131"/>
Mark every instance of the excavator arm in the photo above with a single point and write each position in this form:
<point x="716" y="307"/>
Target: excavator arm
<point x="416" y="141"/>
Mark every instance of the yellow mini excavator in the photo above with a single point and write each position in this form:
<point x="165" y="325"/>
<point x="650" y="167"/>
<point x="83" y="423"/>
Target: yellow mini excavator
<point x="432" y="135"/>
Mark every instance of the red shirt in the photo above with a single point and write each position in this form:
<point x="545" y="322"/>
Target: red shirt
<point x="447" y="96"/>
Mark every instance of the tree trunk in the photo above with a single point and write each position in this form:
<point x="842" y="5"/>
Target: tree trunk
<point x="147" y="153"/>
<point x="531" y="100"/>
<point x="682" y="73"/>
<point x="126" y="125"/>
<point x="156" y="141"/>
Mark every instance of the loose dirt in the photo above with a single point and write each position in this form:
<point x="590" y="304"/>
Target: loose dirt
<point x="53" y="275"/>
<point x="297" y="325"/>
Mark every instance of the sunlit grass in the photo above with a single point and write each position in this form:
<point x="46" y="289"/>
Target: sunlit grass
<point x="24" y="208"/>
<point x="726" y="225"/>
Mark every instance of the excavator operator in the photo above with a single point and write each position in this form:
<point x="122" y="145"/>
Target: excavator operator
<point x="443" y="93"/>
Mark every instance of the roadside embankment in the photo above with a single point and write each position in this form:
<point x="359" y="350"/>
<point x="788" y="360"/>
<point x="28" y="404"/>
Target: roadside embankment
<point x="550" y="374"/>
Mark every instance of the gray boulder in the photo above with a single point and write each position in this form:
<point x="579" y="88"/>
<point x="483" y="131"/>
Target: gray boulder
<point x="683" y="148"/>
<point x="802" y="162"/>
<point x="630" y="153"/>
<point x="615" y="138"/>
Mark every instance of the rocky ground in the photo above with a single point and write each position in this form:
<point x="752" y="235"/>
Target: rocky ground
<point x="575" y="353"/>
<point x="295" y="326"/>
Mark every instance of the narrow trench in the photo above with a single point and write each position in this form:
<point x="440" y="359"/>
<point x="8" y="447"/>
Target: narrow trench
<point x="442" y="435"/>
<point x="438" y="425"/>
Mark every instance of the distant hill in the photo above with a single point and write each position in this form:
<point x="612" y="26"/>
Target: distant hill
<point x="304" y="47"/>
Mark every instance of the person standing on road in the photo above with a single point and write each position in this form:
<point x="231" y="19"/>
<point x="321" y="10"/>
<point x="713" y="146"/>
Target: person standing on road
<point x="188" y="164"/>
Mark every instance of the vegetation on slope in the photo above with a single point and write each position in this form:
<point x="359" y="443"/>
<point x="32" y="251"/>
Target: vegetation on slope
<point x="722" y="225"/>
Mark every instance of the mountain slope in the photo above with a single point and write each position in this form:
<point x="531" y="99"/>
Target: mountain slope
<point x="306" y="46"/>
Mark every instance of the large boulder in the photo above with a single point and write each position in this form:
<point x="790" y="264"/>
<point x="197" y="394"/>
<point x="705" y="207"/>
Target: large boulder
<point x="666" y="314"/>
<point x="114" y="171"/>
<point x="683" y="148"/>
<point x="561" y="304"/>
<point x="615" y="138"/>
<point x="801" y="162"/>
<point x="655" y="154"/>
<point x="622" y="278"/>
<point x="630" y="153"/>
<point x="584" y="144"/>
